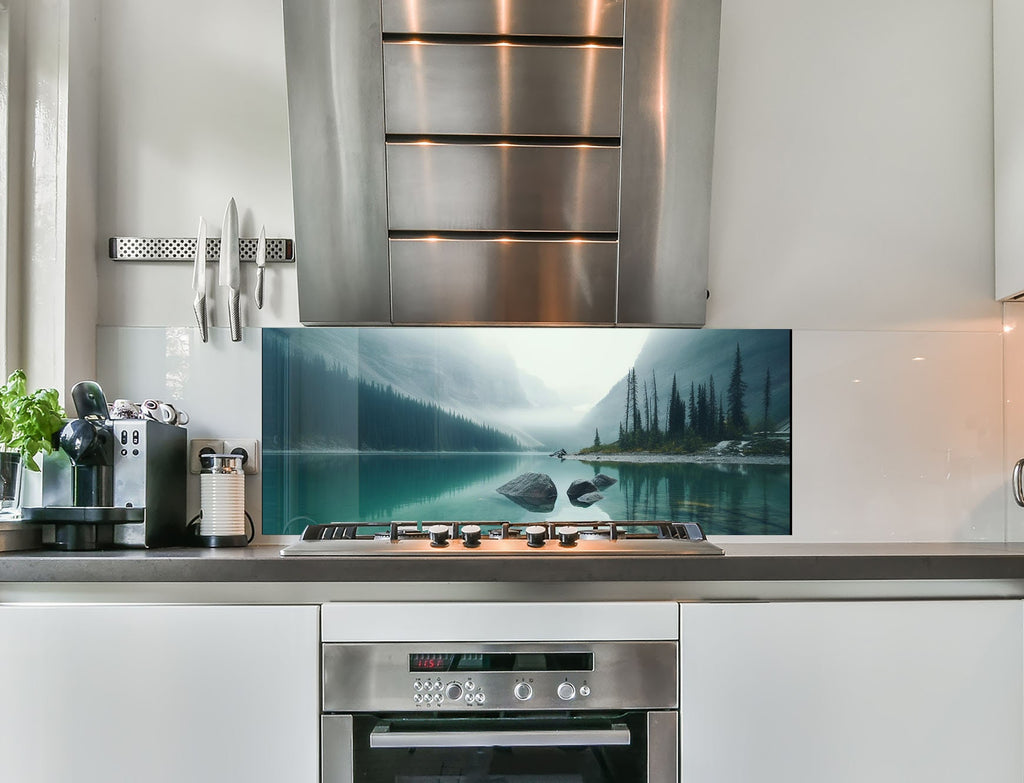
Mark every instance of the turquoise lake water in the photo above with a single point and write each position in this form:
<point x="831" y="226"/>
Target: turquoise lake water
<point x="726" y="499"/>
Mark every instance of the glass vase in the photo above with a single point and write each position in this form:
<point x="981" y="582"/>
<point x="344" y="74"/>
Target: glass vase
<point x="11" y="469"/>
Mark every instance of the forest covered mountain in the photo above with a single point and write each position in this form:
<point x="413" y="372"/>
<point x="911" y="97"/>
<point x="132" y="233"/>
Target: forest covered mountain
<point x="440" y="389"/>
<point x="313" y="401"/>
<point x="442" y="365"/>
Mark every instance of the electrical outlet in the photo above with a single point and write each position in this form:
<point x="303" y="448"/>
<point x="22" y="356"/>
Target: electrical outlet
<point x="199" y="446"/>
<point x="249" y="448"/>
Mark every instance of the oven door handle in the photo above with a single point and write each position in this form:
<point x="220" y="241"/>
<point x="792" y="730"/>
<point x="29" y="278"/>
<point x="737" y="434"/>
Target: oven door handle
<point x="383" y="737"/>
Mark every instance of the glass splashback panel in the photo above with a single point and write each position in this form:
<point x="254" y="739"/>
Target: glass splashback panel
<point x="479" y="424"/>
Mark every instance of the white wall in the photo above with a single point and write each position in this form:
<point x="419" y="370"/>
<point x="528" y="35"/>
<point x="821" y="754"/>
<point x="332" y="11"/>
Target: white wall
<point x="194" y="112"/>
<point x="852" y="203"/>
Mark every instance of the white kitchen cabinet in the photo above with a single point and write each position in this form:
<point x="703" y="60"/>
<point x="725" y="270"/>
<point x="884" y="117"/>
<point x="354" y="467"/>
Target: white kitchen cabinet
<point x="1008" y="134"/>
<point x="849" y="692"/>
<point x="161" y="694"/>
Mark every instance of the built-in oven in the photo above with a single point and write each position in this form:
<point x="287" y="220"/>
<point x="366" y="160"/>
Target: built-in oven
<point x="505" y="712"/>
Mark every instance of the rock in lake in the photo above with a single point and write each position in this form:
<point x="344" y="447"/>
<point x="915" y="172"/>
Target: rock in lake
<point x="580" y="487"/>
<point x="588" y="499"/>
<point x="601" y="481"/>
<point x="531" y="490"/>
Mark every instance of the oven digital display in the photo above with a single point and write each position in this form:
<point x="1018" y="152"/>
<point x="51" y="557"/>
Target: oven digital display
<point x="502" y="662"/>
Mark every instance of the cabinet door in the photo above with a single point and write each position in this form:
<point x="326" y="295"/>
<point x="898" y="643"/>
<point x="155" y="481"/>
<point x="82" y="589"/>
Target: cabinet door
<point x="159" y="694"/>
<point x="1008" y="134"/>
<point x="927" y="691"/>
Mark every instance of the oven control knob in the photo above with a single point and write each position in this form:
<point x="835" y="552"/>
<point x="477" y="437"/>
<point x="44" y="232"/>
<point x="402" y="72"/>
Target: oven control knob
<point x="438" y="535"/>
<point x="568" y="535"/>
<point x="471" y="535"/>
<point x="536" y="535"/>
<point x="566" y="691"/>
<point x="522" y="691"/>
<point x="453" y="691"/>
<point x="584" y="690"/>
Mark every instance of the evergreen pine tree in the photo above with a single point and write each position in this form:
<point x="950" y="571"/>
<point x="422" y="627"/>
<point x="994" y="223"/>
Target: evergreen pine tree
<point x="693" y="410"/>
<point x="767" y="399"/>
<point x="701" y="427"/>
<point x="655" y="426"/>
<point x="712" y="410"/>
<point x="721" y="417"/>
<point x="597" y="438"/>
<point x="647" y="410"/>
<point x="737" y="388"/>
<point x="637" y="426"/>
<point x="627" y="416"/>
<point x="676" y="424"/>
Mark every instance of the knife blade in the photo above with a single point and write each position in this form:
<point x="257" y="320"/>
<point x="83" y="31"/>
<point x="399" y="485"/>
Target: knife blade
<point x="261" y="262"/>
<point x="199" y="282"/>
<point x="229" y="273"/>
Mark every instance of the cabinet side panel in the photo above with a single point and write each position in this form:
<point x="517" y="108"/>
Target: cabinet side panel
<point x="670" y="64"/>
<point x="1008" y="118"/>
<point x="334" y="61"/>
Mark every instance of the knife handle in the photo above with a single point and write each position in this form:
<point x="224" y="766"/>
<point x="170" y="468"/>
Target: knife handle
<point x="199" y="306"/>
<point x="258" y="294"/>
<point x="234" y="317"/>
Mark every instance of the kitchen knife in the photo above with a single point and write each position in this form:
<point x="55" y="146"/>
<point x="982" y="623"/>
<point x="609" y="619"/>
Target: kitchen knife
<point x="261" y="262"/>
<point x="199" y="281"/>
<point x="229" y="274"/>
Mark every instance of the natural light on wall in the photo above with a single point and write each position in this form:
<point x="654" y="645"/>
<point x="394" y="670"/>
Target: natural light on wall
<point x="5" y="70"/>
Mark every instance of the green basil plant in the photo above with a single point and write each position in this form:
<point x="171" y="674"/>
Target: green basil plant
<point x="28" y="421"/>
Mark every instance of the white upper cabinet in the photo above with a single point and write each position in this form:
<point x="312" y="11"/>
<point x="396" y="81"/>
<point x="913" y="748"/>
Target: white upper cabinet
<point x="1008" y="115"/>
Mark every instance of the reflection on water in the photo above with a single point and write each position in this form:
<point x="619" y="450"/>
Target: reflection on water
<point x="725" y="499"/>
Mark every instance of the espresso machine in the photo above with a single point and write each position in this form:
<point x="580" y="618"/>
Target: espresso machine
<point x="112" y="483"/>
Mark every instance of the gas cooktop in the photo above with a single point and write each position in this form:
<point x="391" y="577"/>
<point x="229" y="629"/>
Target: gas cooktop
<point x="459" y="539"/>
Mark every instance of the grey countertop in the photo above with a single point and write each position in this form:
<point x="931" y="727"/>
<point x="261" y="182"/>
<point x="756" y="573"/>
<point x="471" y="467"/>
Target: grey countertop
<point x="742" y="562"/>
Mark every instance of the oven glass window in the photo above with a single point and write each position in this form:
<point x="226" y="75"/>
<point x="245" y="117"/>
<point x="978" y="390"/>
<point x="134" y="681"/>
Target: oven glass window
<point x="482" y="759"/>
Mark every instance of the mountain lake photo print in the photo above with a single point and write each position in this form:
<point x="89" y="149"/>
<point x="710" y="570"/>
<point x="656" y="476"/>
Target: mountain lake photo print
<point x="492" y="424"/>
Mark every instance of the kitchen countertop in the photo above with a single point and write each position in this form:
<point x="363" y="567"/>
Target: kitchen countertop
<point x="743" y="562"/>
<point x="748" y="571"/>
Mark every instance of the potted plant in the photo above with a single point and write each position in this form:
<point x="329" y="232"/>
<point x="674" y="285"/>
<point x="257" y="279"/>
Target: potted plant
<point x="28" y="423"/>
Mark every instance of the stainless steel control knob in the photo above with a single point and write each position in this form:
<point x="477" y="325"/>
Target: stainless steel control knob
<point x="536" y="535"/>
<point x="566" y="691"/>
<point x="567" y="535"/>
<point x="522" y="691"/>
<point x="438" y="535"/>
<point x="453" y="691"/>
<point x="471" y="535"/>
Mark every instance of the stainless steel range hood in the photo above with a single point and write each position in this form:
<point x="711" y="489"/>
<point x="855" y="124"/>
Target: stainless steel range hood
<point x="502" y="161"/>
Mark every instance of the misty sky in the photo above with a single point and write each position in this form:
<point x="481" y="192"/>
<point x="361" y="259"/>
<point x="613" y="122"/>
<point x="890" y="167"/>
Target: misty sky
<point x="579" y="364"/>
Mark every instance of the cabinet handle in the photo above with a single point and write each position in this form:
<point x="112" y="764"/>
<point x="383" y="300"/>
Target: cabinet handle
<point x="1018" y="488"/>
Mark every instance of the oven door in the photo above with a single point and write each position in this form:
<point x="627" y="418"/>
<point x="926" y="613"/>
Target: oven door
<point x="630" y="747"/>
